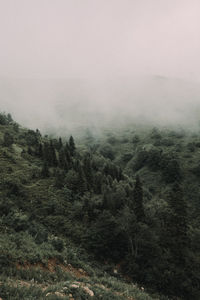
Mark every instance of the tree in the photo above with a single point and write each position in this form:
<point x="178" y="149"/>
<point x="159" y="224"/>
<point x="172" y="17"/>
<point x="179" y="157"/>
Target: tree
<point x="102" y="237"/>
<point x="82" y="184"/>
<point x="72" y="146"/>
<point x="171" y="171"/>
<point x="67" y="154"/>
<point x="63" y="164"/>
<point x="53" y="157"/>
<point x="87" y="167"/>
<point x="60" y="144"/>
<point x="138" y="200"/>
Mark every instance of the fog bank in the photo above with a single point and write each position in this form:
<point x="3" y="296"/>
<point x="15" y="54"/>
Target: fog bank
<point x="74" y="63"/>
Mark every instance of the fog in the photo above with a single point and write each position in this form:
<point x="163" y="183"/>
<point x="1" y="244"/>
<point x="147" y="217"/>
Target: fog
<point x="68" y="64"/>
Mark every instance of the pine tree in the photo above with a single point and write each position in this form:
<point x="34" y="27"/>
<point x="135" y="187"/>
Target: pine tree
<point x="60" y="143"/>
<point x="138" y="200"/>
<point x="53" y="157"/>
<point x="67" y="154"/>
<point x="72" y="146"/>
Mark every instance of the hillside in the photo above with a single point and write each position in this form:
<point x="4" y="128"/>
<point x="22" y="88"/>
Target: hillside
<point x="100" y="217"/>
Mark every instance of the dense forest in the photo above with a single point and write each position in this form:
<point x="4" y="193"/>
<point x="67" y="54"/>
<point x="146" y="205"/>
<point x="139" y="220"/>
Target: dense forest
<point x="122" y="206"/>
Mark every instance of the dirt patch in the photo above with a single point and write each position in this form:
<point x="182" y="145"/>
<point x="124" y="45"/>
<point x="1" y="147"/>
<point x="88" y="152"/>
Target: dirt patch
<point x="51" y="266"/>
<point x="78" y="273"/>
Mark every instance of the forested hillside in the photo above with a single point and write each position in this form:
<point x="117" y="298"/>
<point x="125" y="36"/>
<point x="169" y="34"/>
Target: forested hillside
<point x="120" y="211"/>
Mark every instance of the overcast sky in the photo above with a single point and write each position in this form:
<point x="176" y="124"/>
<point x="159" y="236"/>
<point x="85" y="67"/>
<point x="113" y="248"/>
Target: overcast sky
<point x="102" y="48"/>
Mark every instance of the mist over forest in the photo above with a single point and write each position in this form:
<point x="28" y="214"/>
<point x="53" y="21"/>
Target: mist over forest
<point x="72" y="64"/>
<point x="71" y="104"/>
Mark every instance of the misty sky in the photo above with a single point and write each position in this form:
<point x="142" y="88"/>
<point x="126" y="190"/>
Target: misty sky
<point x="100" y="54"/>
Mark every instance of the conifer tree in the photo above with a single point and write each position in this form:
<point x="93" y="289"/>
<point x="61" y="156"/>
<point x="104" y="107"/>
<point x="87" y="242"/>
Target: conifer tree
<point x="63" y="164"/>
<point x="60" y="143"/>
<point x="53" y="157"/>
<point x="72" y="146"/>
<point x="67" y="154"/>
<point x="87" y="166"/>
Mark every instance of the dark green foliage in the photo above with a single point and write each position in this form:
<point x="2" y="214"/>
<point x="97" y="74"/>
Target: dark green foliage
<point x="138" y="200"/>
<point x="16" y="127"/>
<point x="136" y="139"/>
<point x="40" y="151"/>
<point x="59" y="178"/>
<point x="107" y="151"/>
<point x="155" y="134"/>
<point x="5" y="119"/>
<point x="87" y="168"/>
<point x="171" y="171"/>
<point x="141" y="160"/>
<point x="60" y="144"/>
<point x="178" y="225"/>
<point x="53" y="159"/>
<point x="12" y="187"/>
<point x="98" y="181"/>
<point x="72" y="180"/>
<point x="58" y="244"/>
<point x="196" y="170"/>
<point x="62" y="161"/>
<point x="72" y="147"/>
<point x="154" y="159"/>
<point x="31" y="138"/>
<point x="8" y="139"/>
<point x="45" y="170"/>
<point x="38" y="232"/>
<point x="113" y="171"/>
<point x="102" y="238"/>
<point x="30" y="152"/>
